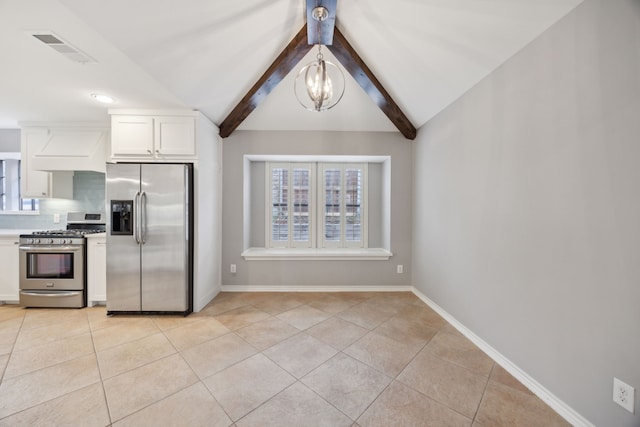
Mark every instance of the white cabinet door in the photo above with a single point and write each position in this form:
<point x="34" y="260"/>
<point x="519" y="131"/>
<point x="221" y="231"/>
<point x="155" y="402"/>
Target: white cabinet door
<point x="97" y="270"/>
<point x="132" y="136"/>
<point x="9" y="260"/>
<point x="34" y="184"/>
<point x="175" y="136"/>
<point x="157" y="137"/>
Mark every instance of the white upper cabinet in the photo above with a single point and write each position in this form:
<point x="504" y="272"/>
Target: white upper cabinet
<point x="153" y="136"/>
<point x="73" y="148"/>
<point x="34" y="184"/>
<point x="38" y="184"/>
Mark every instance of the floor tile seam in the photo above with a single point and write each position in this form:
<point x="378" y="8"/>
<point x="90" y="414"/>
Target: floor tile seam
<point x="13" y="347"/>
<point x="374" y="400"/>
<point x="204" y="384"/>
<point x="399" y="341"/>
<point x="131" y="369"/>
<point x="391" y="380"/>
<point x="14" y="350"/>
<point x="370" y="366"/>
<point x="133" y="340"/>
<point x="484" y="393"/>
<point x="50" y="342"/>
<point x="198" y="344"/>
<point x="46" y="367"/>
<point x="433" y="399"/>
<point x="264" y="403"/>
<point x="54" y="322"/>
<point x="353" y="420"/>
<point x="152" y="403"/>
<point x="221" y="370"/>
<point x="76" y="357"/>
<point x="50" y="400"/>
<point x="458" y="365"/>
<point x="276" y="363"/>
<point x="104" y="391"/>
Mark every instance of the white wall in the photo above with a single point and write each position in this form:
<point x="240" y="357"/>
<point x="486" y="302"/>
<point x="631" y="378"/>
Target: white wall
<point x="315" y="273"/>
<point x="527" y="209"/>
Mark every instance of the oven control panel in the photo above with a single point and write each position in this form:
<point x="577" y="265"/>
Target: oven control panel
<point x="52" y="241"/>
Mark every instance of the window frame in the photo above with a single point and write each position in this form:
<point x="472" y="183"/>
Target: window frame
<point x="259" y="250"/>
<point x="317" y="201"/>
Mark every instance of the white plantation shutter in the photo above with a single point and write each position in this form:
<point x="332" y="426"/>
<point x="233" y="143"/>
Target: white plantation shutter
<point x="341" y="189"/>
<point x="290" y="205"/>
<point x="343" y="205"/>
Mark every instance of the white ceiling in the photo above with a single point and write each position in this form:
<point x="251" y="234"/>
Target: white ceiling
<point x="206" y="54"/>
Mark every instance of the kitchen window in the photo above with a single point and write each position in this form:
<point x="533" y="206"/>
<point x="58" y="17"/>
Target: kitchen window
<point x="10" y="200"/>
<point x="316" y="207"/>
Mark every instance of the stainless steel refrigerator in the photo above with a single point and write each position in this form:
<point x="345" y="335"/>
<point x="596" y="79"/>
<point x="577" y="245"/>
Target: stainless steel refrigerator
<point x="149" y="238"/>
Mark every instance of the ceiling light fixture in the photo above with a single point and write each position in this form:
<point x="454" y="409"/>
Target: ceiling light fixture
<point x="105" y="99"/>
<point x="319" y="84"/>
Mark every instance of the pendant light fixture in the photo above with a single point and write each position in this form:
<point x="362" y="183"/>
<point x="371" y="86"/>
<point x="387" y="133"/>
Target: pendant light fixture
<point x="319" y="84"/>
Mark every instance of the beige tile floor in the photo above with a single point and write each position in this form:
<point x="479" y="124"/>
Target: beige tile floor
<point x="256" y="359"/>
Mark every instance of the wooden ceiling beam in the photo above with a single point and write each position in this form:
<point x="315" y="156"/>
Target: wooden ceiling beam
<point x="352" y="62"/>
<point x="321" y="32"/>
<point x="283" y="64"/>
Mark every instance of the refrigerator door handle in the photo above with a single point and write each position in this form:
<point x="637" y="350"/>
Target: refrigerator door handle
<point x="136" y="223"/>
<point x="143" y="216"/>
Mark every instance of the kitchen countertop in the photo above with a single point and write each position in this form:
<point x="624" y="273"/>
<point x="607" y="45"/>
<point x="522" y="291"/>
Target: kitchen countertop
<point x="95" y="235"/>
<point x="10" y="232"/>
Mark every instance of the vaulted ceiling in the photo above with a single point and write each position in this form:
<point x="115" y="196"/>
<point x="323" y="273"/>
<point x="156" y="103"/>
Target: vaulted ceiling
<point x="206" y="55"/>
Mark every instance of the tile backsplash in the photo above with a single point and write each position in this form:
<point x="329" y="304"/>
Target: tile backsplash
<point x="88" y="196"/>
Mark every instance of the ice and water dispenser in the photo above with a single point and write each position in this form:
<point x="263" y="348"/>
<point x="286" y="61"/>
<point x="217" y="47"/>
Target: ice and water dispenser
<point x="122" y="217"/>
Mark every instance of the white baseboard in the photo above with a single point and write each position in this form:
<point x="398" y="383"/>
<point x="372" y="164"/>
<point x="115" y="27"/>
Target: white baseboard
<point x="227" y="288"/>
<point x="564" y="410"/>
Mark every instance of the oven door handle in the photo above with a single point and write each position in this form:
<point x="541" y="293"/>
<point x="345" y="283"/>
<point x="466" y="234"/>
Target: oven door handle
<point x="51" y="248"/>
<point x="58" y="294"/>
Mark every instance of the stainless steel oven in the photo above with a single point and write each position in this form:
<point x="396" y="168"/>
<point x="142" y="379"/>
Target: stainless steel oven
<point x="53" y="263"/>
<point x="52" y="271"/>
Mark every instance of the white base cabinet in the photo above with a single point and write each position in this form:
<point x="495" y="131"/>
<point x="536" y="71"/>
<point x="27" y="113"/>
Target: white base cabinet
<point x="10" y="276"/>
<point x="96" y="269"/>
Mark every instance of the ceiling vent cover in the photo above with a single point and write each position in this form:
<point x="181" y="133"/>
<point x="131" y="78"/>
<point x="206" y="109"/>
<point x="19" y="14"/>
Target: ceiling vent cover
<point x="63" y="47"/>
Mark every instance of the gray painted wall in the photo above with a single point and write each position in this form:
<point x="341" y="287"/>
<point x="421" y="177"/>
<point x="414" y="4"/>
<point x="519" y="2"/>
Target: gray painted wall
<point x="315" y="273"/>
<point x="527" y="209"/>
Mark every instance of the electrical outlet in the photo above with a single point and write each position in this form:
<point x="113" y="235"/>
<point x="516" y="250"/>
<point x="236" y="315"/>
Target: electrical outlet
<point x="233" y="268"/>
<point x="56" y="218"/>
<point x="400" y="269"/>
<point x="623" y="395"/>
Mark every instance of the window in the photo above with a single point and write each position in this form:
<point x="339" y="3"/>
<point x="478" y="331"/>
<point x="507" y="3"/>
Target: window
<point x="343" y="190"/>
<point x="296" y="198"/>
<point x="290" y="207"/>
<point x="10" y="200"/>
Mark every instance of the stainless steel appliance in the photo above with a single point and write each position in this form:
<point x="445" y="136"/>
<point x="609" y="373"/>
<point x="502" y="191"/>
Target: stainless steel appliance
<point x="53" y="263"/>
<point x="149" y="238"/>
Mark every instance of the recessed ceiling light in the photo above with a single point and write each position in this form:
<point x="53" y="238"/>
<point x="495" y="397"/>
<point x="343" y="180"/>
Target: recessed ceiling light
<point x="105" y="99"/>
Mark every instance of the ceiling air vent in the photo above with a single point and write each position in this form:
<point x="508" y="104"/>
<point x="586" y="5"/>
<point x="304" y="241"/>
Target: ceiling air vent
<point x="63" y="47"/>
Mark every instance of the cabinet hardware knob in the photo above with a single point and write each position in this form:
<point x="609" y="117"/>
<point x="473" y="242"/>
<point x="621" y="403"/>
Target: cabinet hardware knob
<point x="149" y="151"/>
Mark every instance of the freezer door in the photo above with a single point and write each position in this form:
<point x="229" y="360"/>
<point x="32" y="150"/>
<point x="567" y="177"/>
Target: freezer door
<point x="123" y="253"/>
<point x="165" y="204"/>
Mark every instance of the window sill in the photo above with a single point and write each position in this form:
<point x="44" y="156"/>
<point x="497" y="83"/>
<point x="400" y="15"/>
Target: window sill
<point x="263" y="254"/>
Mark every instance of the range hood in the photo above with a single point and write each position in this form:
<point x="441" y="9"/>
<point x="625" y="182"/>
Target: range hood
<point x="72" y="149"/>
